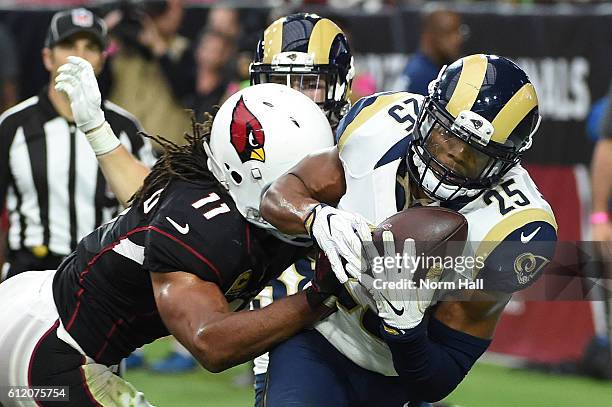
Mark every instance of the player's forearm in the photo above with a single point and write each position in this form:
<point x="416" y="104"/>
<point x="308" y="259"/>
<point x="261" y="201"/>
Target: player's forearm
<point x="235" y="338"/>
<point x="287" y="203"/>
<point x="319" y="177"/>
<point x="601" y="172"/>
<point x="124" y="173"/>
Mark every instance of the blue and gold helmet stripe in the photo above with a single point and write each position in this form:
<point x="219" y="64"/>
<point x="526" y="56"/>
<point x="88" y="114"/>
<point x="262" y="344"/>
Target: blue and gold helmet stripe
<point x="468" y="86"/>
<point x="504" y="104"/>
<point x="323" y="34"/>
<point x="301" y="33"/>
<point x="513" y="112"/>
<point x="272" y="40"/>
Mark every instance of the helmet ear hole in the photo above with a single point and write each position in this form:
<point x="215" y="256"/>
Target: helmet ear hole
<point x="236" y="177"/>
<point x="227" y="167"/>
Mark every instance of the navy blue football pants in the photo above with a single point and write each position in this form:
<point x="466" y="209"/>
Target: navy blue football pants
<point x="307" y="371"/>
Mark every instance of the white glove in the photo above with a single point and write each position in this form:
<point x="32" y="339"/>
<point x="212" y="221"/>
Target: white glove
<point x="339" y="235"/>
<point x="401" y="303"/>
<point x="77" y="79"/>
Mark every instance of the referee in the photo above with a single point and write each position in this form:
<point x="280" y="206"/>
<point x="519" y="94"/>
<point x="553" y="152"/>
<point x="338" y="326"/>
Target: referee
<point x="50" y="181"/>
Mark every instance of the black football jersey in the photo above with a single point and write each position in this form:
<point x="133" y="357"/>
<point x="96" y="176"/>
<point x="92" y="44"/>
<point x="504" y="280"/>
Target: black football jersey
<point x="103" y="290"/>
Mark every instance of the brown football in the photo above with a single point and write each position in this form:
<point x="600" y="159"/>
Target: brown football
<point x="430" y="227"/>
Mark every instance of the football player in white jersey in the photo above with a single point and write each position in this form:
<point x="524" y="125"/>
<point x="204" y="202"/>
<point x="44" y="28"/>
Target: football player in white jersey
<point x="459" y="147"/>
<point x="312" y="55"/>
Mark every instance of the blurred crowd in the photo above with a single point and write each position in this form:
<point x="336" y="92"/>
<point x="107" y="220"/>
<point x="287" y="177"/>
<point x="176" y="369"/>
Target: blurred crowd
<point x="154" y="72"/>
<point x="157" y="74"/>
<point x="367" y="4"/>
<point x="154" y="69"/>
<point x="166" y="79"/>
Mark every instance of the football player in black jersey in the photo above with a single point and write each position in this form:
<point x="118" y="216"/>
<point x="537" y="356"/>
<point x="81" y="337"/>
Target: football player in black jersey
<point x="191" y="249"/>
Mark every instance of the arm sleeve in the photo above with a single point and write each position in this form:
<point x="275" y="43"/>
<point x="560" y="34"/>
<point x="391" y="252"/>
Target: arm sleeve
<point x="519" y="260"/>
<point x="431" y="358"/>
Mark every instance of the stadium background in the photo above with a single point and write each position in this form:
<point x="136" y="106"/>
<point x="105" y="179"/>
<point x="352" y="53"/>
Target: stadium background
<point x="566" y="51"/>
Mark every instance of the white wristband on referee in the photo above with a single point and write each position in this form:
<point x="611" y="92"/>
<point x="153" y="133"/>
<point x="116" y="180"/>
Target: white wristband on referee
<point x="103" y="139"/>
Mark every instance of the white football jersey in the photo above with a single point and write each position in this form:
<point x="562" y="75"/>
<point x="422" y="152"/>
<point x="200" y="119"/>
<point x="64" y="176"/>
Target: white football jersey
<point x="372" y="141"/>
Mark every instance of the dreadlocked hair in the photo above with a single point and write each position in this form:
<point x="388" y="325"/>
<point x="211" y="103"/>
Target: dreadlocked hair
<point x="185" y="162"/>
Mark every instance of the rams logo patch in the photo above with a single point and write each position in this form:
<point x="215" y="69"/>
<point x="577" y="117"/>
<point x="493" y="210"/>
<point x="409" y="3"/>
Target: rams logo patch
<point x="527" y="266"/>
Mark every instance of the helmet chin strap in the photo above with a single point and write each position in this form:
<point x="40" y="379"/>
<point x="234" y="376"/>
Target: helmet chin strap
<point x="432" y="183"/>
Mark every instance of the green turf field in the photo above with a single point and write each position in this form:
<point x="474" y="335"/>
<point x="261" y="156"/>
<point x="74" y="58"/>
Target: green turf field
<point x="485" y="386"/>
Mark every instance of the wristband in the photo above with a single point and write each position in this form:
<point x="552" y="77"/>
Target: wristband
<point x="102" y="139"/>
<point x="598" y="218"/>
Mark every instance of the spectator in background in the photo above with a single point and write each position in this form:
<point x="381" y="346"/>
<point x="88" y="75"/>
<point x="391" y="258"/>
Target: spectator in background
<point x="214" y="78"/>
<point x="225" y="20"/>
<point x="597" y="359"/>
<point x="601" y="172"/>
<point x="8" y="70"/>
<point x="150" y="68"/>
<point x="364" y="85"/>
<point x="442" y="37"/>
<point x="55" y="193"/>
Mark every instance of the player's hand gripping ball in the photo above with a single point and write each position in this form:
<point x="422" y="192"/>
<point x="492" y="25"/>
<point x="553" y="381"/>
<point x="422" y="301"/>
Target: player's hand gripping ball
<point x="396" y="253"/>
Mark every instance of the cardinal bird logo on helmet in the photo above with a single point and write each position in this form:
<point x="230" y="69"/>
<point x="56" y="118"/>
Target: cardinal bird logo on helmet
<point x="247" y="135"/>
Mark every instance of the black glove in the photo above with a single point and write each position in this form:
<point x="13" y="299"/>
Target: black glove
<point x="324" y="285"/>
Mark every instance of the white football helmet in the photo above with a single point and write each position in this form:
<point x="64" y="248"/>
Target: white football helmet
<point x="257" y="135"/>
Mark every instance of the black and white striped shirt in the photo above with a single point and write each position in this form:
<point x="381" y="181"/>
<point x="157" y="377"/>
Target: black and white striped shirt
<point x="49" y="176"/>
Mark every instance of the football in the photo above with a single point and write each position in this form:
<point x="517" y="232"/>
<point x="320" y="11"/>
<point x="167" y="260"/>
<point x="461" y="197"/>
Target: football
<point x="430" y="227"/>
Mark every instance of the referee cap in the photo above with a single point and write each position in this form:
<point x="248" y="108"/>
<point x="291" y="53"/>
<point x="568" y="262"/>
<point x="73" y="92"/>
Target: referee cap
<point x="69" y="22"/>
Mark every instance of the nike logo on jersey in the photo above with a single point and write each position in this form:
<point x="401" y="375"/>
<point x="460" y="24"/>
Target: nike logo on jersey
<point x="526" y="239"/>
<point x="182" y="229"/>
<point x="398" y="312"/>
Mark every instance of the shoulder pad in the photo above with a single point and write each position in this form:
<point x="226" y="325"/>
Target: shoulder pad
<point x="372" y="126"/>
<point x="189" y="232"/>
